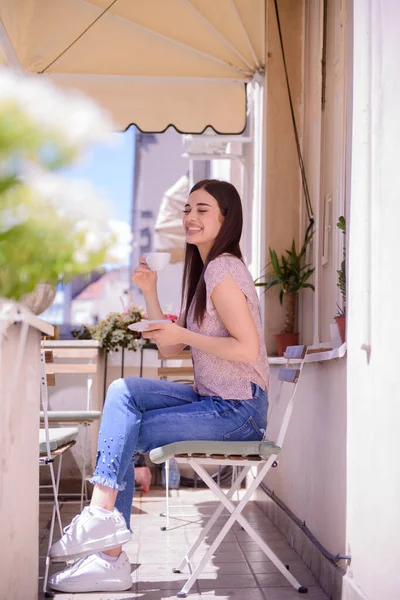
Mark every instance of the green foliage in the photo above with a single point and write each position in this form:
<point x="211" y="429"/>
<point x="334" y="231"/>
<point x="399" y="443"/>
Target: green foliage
<point x="341" y="283"/>
<point x="112" y="332"/>
<point x="45" y="224"/>
<point x="289" y="273"/>
<point x="38" y="245"/>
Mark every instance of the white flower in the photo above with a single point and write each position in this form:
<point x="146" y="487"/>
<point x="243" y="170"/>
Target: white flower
<point x="117" y="239"/>
<point x="10" y="217"/>
<point x="75" y="199"/>
<point x="93" y="242"/>
<point x="71" y="115"/>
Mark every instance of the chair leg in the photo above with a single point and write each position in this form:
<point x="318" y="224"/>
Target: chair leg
<point x="166" y="495"/>
<point x="234" y="475"/>
<point x="236" y="484"/>
<point x="83" y="483"/>
<point x="55" y="512"/>
<point x="236" y="516"/>
<point x="55" y="485"/>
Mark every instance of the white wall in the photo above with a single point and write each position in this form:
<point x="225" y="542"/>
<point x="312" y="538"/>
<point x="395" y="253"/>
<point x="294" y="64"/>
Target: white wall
<point x="311" y="476"/>
<point x="373" y="522"/>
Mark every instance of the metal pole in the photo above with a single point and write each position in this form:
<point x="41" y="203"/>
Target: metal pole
<point x="123" y="362"/>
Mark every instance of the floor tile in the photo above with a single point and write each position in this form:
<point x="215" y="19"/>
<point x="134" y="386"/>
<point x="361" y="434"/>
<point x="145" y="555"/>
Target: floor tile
<point x="277" y="579"/>
<point x="267" y="566"/>
<point x="163" y="584"/>
<point x="231" y="593"/>
<point x="228" y="557"/>
<point x="238" y="571"/>
<point x="215" y="581"/>
<point x="159" y="595"/>
<point x="280" y="593"/>
<point x="285" y="555"/>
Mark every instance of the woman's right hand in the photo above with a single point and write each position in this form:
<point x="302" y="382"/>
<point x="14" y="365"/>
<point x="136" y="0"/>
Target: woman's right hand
<point x="144" y="277"/>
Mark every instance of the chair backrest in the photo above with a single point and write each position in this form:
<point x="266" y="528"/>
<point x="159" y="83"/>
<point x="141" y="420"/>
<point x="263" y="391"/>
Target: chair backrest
<point x="44" y="399"/>
<point x="172" y="370"/>
<point x="89" y="367"/>
<point x="295" y="355"/>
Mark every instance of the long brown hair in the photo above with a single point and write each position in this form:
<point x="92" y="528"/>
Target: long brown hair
<point x="227" y="242"/>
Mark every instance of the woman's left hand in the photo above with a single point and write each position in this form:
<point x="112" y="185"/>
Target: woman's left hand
<point x="164" y="334"/>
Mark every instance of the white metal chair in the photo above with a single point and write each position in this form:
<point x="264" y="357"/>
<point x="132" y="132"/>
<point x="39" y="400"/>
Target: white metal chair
<point x="264" y="454"/>
<point x="53" y="444"/>
<point x="85" y="417"/>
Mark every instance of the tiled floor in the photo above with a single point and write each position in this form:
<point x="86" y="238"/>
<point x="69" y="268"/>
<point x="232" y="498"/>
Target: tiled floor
<point x="239" y="569"/>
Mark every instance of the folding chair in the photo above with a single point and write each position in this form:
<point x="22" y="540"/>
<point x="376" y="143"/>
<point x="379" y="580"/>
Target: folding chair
<point x="245" y="454"/>
<point x="77" y="417"/>
<point x="53" y="443"/>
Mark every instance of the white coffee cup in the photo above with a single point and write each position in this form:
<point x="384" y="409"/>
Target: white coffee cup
<point x="158" y="261"/>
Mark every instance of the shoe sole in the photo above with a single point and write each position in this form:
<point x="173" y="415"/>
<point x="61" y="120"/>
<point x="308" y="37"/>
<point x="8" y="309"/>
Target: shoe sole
<point x="80" y="587"/>
<point x="91" y="546"/>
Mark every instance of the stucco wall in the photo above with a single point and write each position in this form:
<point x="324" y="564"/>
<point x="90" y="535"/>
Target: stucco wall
<point x="282" y="167"/>
<point x="373" y="522"/>
<point x="311" y="476"/>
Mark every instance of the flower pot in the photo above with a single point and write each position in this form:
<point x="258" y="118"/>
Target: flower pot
<point x="40" y="299"/>
<point x="283" y="340"/>
<point x="341" y="323"/>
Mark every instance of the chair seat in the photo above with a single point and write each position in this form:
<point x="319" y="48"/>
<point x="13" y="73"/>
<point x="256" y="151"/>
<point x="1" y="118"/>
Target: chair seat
<point x="71" y="416"/>
<point x="58" y="437"/>
<point x="209" y="449"/>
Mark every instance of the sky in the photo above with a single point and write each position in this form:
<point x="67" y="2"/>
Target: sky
<point x="109" y="168"/>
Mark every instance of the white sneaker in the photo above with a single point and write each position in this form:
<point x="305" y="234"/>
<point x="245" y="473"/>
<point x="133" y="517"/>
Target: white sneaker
<point x="94" y="574"/>
<point x="93" y="530"/>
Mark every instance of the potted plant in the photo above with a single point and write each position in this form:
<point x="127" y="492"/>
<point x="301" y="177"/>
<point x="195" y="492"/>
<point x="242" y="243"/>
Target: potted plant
<point x="112" y="332"/>
<point x="341" y="316"/>
<point x="291" y="275"/>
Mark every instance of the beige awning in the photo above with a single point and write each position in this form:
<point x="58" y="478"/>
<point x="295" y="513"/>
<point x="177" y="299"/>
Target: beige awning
<point x="152" y="63"/>
<point x="169" y="233"/>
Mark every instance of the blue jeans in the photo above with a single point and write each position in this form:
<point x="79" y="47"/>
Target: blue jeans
<point x="142" y="414"/>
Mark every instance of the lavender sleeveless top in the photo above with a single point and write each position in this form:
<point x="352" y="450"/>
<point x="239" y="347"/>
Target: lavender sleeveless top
<point x="215" y="376"/>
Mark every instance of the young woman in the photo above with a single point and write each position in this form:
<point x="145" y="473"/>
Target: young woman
<point x="220" y="321"/>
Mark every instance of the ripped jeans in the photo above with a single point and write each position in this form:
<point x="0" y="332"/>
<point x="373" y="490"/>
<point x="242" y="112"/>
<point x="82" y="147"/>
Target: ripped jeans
<point x="142" y="414"/>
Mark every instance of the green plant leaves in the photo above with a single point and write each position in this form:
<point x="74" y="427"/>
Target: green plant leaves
<point x="43" y="228"/>
<point x="341" y="283"/>
<point x="288" y="272"/>
<point x="341" y="224"/>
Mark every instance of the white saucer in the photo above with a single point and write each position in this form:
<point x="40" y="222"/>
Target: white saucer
<point x="141" y="325"/>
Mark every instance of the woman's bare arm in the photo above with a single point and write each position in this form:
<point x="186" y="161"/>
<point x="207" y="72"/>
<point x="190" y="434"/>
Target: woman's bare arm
<point x="243" y="343"/>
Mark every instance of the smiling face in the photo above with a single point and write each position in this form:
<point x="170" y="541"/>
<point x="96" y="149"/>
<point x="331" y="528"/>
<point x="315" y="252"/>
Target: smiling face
<point x="202" y="221"/>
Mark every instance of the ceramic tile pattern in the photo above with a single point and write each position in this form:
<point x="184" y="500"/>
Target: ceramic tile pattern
<point x="239" y="570"/>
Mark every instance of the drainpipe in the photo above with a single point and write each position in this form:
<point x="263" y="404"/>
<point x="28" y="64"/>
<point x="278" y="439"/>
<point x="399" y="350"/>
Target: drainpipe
<point x="334" y="558"/>
<point x="135" y="212"/>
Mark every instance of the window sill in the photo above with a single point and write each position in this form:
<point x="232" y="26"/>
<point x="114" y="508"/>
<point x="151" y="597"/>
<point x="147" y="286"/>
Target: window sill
<point x="339" y="352"/>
